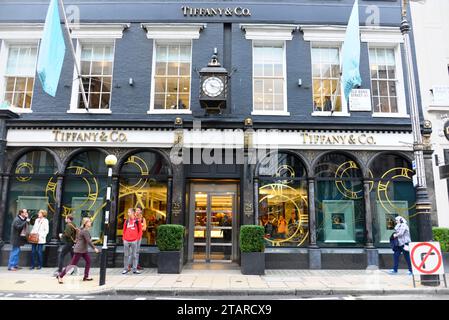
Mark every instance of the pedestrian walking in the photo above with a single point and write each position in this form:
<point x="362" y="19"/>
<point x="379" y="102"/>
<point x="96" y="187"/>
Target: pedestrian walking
<point x="68" y="241"/>
<point x="19" y="231"/>
<point x="83" y="241"/>
<point x="402" y="234"/>
<point x="143" y="224"/>
<point x="131" y="234"/>
<point x="41" y="228"/>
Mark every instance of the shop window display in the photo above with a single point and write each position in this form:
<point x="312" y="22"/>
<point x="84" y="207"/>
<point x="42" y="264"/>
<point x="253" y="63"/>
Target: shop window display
<point x="392" y="194"/>
<point x="31" y="187"/>
<point x="84" y="190"/>
<point x="283" y="204"/>
<point x="339" y="202"/>
<point x="143" y="183"/>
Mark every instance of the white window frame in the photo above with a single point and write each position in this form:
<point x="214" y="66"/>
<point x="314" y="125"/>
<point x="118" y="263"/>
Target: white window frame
<point x="388" y="38"/>
<point x="171" y="33"/>
<point x="153" y="82"/>
<point x="15" y="34"/>
<point x="92" y="34"/>
<point x="344" y="104"/>
<point x="270" y="43"/>
<point x="270" y="34"/>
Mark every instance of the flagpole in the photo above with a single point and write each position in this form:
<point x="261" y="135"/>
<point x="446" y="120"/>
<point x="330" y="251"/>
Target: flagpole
<point x="83" y="92"/>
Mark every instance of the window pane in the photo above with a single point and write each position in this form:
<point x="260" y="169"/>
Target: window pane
<point x="105" y="98"/>
<point x="258" y="70"/>
<point x="173" y="68"/>
<point x="384" y="106"/>
<point x="258" y="101"/>
<point x="159" y="101"/>
<point x="184" y="69"/>
<point x="20" y="84"/>
<point x="374" y="69"/>
<point x="279" y="86"/>
<point x="334" y="56"/>
<point x="94" y="100"/>
<point x="316" y="70"/>
<point x="268" y="70"/>
<point x="268" y="101"/>
<point x="391" y="72"/>
<point x="278" y="70"/>
<point x="277" y="54"/>
<point x="390" y="57"/>
<point x="376" y="104"/>
<point x="268" y="86"/>
<point x="97" y="67"/>
<point x="383" y="88"/>
<point x="107" y="68"/>
<point x="10" y="81"/>
<point x="85" y="67"/>
<point x="106" y="84"/>
<point x="13" y="57"/>
<point x="258" y="86"/>
<point x="185" y="54"/>
<point x="326" y="69"/>
<point x="392" y="88"/>
<point x="172" y="85"/>
<point x="278" y="102"/>
<point x="160" y="85"/>
<point x="173" y="53"/>
<point x="375" y="88"/>
<point x="171" y="101"/>
<point x="161" y="53"/>
<point x="161" y="68"/>
<point x="86" y="53"/>
<point x="28" y="97"/>
<point x="335" y="69"/>
<point x="394" y="104"/>
<point x="183" y="102"/>
<point x="184" y="85"/>
<point x="30" y="85"/>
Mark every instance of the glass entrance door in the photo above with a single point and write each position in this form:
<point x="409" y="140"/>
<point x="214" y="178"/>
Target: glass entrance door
<point x="214" y="226"/>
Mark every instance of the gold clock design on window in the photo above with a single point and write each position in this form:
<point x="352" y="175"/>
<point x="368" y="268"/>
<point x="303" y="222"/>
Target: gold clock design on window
<point x="142" y="166"/>
<point x="384" y="185"/>
<point x="341" y="173"/>
<point x="91" y="184"/>
<point x="279" y="196"/>
<point x="24" y="176"/>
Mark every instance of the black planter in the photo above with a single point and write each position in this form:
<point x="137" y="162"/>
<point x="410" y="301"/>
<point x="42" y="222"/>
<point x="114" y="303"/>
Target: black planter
<point x="170" y="261"/>
<point x="253" y="263"/>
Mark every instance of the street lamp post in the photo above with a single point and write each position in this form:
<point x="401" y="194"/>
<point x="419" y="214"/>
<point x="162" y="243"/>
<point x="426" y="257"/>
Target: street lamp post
<point x="110" y="162"/>
<point x="423" y="204"/>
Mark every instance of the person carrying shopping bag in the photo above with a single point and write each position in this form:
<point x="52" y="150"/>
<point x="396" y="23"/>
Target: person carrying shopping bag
<point x="83" y="241"/>
<point x="41" y="228"/>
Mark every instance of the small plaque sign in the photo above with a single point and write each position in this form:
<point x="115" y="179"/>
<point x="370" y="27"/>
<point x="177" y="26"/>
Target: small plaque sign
<point x="360" y="100"/>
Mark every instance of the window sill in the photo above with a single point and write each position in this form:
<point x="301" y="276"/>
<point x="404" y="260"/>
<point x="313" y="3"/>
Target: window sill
<point x="438" y="107"/>
<point x="270" y="113"/>
<point x="390" y="115"/>
<point x="91" y="111"/>
<point x="170" y="111"/>
<point x="329" y="114"/>
<point x="19" y="110"/>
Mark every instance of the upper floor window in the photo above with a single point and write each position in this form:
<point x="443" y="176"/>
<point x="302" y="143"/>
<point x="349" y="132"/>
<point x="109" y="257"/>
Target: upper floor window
<point x="384" y="80"/>
<point x="96" y="71"/>
<point x="18" y="76"/>
<point x="269" y="77"/>
<point x="327" y="93"/>
<point x="172" y="76"/>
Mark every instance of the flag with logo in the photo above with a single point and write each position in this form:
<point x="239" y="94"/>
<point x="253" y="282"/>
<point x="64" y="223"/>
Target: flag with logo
<point x="51" y="51"/>
<point x="351" y="54"/>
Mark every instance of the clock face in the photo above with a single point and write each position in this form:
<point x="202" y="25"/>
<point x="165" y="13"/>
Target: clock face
<point x="213" y="86"/>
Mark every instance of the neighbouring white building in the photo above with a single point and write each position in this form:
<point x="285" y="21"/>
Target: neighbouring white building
<point x="431" y="32"/>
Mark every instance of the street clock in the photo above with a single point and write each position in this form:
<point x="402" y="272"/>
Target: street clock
<point x="213" y="86"/>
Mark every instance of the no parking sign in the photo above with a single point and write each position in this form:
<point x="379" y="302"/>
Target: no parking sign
<point x="426" y="258"/>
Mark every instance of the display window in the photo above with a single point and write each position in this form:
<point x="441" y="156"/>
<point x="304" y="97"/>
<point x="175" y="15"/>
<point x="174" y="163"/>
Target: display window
<point x="143" y="183"/>
<point x="339" y="201"/>
<point x="283" y="201"/>
<point x="392" y="195"/>
<point x="31" y="187"/>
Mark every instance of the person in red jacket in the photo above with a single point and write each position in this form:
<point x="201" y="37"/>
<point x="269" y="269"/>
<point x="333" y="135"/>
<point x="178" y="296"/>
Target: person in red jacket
<point x="131" y="236"/>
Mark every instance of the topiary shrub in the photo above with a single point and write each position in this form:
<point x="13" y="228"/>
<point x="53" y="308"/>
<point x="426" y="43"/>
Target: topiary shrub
<point x="170" y="237"/>
<point x="252" y="238"/>
<point x="442" y="236"/>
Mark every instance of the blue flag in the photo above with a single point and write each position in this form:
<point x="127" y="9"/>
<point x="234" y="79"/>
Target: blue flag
<point x="351" y="53"/>
<point x="51" y="51"/>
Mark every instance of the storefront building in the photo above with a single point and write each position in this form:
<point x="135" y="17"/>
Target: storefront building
<point x="220" y="114"/>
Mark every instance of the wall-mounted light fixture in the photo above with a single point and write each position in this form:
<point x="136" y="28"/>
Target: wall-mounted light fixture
<point x="131" y="81"/>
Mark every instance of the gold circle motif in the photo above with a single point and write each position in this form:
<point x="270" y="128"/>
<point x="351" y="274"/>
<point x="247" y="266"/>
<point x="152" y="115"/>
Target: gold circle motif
<point x="143" y="168"/>
<point x="382" y="188"/>
<point x="299" y="232"/>
<point x="340" y="184"/>
<point x="92" y="190"/>
<point x="24" y="165"/>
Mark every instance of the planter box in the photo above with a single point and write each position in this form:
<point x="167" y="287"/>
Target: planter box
<point x="253" y="263"/>
<point x="170" y="261"/>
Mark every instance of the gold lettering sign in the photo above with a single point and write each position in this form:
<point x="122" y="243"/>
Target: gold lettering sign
<point x="338" y="139"/>
<point x="114" y="136"/>
<point x="213" y="12"/>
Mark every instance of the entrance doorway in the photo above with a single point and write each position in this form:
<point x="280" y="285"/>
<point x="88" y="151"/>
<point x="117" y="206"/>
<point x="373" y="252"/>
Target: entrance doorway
<point x="213" y="222"/>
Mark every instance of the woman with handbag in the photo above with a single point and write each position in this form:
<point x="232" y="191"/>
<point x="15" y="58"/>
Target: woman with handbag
<point x="83" y="241"/>
<point x="402" y="235"/>
<point x="38" y="237"/>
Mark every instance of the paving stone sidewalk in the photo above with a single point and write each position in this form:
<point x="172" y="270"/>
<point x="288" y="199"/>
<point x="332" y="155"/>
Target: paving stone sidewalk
<point x="218" y="282"/>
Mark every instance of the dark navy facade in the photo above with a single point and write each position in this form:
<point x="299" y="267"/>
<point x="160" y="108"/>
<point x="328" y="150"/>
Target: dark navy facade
<point x="326" y="198"/>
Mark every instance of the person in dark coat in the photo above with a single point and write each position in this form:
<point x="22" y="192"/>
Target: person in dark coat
<point x="68" y="240"/>
<point x="18" y="238"/>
